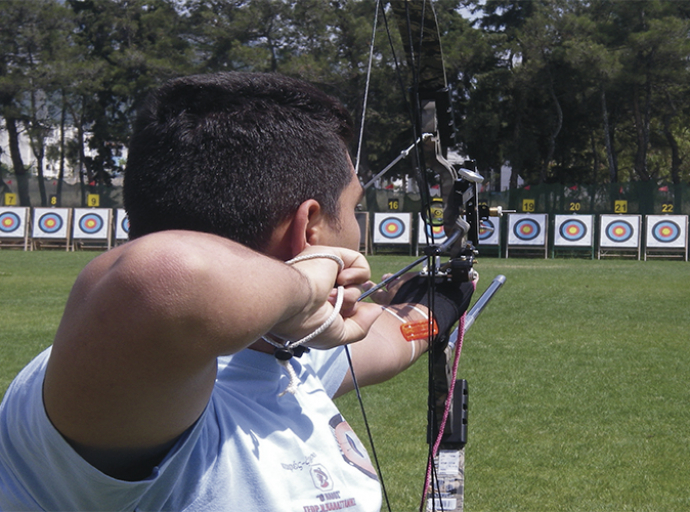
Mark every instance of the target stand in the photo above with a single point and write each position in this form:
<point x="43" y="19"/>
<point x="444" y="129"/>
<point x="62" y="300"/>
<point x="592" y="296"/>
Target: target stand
<point x="528" y="234"/>
<point x="14" y="227"/>
<point x="91" y="229"/>
<point x="619" y="235"/>
<point x="51" y="228"/>
<point x="573" y="235"/>
<point x="666" y="236"/>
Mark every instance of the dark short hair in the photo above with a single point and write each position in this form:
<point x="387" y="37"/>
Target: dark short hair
<point x="235" y="154"/>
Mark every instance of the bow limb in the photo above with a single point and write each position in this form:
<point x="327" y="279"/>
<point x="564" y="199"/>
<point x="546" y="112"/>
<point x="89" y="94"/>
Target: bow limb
<point x="453" y="203"/>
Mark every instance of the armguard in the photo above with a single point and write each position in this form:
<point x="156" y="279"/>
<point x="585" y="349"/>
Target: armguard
<point x="450" y="301"/>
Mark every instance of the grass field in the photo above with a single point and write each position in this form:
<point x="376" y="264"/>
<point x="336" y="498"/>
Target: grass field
<point x="578" y="373"/>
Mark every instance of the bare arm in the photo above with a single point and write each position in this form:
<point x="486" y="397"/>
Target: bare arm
<point x="384" y="352"/>
<point x="134" y="359"/>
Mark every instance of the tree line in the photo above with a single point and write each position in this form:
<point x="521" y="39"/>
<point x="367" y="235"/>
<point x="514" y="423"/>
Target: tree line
<point x="560" y="91"/>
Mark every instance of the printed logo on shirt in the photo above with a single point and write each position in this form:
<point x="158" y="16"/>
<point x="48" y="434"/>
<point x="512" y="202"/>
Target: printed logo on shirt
<point x="322" y="480"/>
<point x="351" y="447"/>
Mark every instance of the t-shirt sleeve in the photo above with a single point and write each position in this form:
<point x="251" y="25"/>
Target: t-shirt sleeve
<point x="330" y="366"/>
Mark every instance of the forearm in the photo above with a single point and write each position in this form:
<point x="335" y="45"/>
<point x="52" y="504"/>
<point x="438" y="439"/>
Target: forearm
<point x="385" y="352"/>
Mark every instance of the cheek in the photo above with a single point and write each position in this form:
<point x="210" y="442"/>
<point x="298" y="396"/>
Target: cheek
<point x="353" y="234"/>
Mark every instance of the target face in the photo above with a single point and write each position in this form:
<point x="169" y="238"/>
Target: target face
<point x="91" y="223"/>
<point x="429" y="233"/>
<point x="666" y="231"/>
<point x="9" y="222"/>
<point x="619" y="231"/>
<point x="50" y="223"/>
<point x="392" y="228"/>
<point x="573" y="230"/>
<point x="489" y="232"/>
<point x="435" y="232"/>
<point x="526" y="230"/>
<point x="486" y="229"/>
<point x="121" y="224"/>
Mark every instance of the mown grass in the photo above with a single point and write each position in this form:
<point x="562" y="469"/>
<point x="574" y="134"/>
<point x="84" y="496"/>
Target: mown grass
<point x="579" y="395"/>
<point x="578" y="375"/>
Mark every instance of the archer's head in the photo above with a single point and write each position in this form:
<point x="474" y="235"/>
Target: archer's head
<point x="235" y="154"/>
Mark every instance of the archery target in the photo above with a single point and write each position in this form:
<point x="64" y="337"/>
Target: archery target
<point x="573" y="230"/>
<point x="121" y="224"/>
<point x="91" y="223"/>
<point x="667" y="231"/>
<point x="50" y="222"/>
<point x="392" y="228"/>
<point x="620" y="231"/>
<point x="12" y="222"/>
<point x="527" y="229"/>
<point x="489" y="232"/>
<point x="434" y="234"/>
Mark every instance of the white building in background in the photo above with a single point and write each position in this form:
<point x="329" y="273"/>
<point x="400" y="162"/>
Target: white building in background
<point x="506" y="171"/>
<point x="51" y="168"/>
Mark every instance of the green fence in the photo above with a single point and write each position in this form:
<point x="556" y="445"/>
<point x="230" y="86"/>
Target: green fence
<point x="639" y="197"/>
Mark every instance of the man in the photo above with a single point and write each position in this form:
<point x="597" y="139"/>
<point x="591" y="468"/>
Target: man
<point x="162" y="390"/>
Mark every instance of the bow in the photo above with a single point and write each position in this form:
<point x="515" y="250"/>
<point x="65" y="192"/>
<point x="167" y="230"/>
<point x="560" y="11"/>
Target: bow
<point x="439" y="165"/>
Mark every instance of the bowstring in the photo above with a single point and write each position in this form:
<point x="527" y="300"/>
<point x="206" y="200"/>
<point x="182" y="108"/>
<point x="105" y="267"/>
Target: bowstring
<point x="366" y="87"/>
<point x="347" y="348"/>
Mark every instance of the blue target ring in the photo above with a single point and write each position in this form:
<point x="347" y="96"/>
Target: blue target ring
<point x="9" y="222"/>
<point x="435" y="232"/>
<point x="619" y="231"/>
<point x="91" y="223"/>
<point x="666" y="231"/>
<point x="486" y="229"/>
<point x="50" y="223"/>
<point x="573" y="230"/>
<point x="125" y="225"/>
<point x="526" y="229"/>
<point x="391" y="228"/>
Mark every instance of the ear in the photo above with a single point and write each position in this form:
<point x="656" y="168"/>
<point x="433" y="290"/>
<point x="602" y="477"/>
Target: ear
<point x="304" y="228"/>
<point x="307" y="224"/>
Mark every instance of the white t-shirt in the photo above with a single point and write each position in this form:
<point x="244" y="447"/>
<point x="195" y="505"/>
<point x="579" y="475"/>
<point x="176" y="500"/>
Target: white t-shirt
<point x="251" y="450"/>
